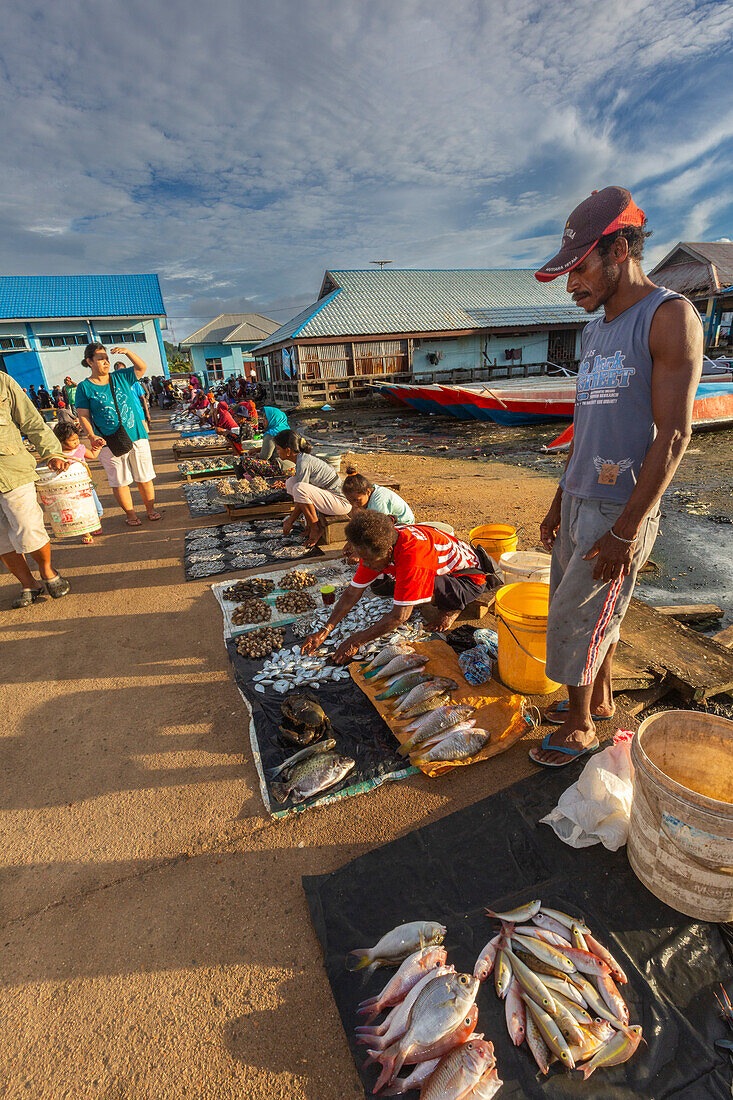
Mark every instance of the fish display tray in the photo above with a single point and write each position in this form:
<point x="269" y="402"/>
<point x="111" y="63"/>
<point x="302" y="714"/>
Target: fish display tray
<point x="231" y="630"/>
<point x="216" y="471"/>
<point x="267" y="544"/>
<point x="200" y="496"/>
<point x="495" y="853"/>
<point x="498" y="710"/>
<point x="201" y="452"/>
<point x="357" y="729"/>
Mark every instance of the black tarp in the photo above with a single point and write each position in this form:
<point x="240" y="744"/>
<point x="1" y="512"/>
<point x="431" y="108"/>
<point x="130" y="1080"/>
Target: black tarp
<point x="358" y="730"/>
<point x="495" y="854"/>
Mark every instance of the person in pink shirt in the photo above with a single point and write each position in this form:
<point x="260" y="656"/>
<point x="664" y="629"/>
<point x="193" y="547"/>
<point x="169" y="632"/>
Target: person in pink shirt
<point x="71" y="445"/>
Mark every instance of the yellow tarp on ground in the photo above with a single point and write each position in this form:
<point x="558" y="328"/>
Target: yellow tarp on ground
<point x="498" y="710"/>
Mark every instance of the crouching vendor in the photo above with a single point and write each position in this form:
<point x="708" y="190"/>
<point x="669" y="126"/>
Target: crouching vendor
<point x="428" y="566"/>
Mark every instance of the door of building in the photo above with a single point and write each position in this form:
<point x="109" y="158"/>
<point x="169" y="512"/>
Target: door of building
<point x="25" y="367"/>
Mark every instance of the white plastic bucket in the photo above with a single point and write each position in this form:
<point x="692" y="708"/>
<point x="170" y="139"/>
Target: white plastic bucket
<point x="68" y="500"/>
<point x="438" y="526"/>
<point x="681" y="827"/>
<point x="525" y="565"/>
<point x="332" y="460"/>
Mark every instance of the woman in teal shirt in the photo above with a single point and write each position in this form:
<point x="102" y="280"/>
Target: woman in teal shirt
<point x="272" y="421"/>
<point x="95" y="407"/>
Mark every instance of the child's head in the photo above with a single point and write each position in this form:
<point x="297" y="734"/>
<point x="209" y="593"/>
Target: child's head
<point x="67" y="436"/>
<point x="357" y="490"/>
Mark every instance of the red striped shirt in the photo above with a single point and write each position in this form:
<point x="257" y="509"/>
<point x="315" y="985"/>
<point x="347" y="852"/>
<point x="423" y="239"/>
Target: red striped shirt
<point x="420" y="555"/>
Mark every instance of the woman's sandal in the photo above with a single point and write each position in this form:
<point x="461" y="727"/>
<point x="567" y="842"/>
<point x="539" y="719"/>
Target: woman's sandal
<point x="152" y="516"/>
<point x="135" y="522"/>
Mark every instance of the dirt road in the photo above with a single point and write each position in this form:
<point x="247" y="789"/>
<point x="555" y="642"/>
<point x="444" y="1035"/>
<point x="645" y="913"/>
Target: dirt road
<point x="156" y="941"/>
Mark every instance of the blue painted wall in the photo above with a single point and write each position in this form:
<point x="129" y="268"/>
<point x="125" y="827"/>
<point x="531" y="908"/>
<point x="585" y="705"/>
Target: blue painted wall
<point x="466" y="352"/>
<point x="233" y="361"/>
<point x="25" y="368"/>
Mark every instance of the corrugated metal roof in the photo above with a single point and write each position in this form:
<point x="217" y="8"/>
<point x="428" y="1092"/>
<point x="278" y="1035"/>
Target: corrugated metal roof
<point x="24" y="297"/>
<point x="715" y="266"/>
<point x="233" y="328"/>
<point x="371" y="302"/>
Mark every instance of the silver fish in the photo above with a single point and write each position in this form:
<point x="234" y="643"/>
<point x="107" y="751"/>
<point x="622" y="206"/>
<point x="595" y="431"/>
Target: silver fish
<point x="459" y="743"/>
<point x="404" y="663"/>
<point x="395" y="945"/>
<point x="303" y="754"/>
<point x="424" y="691"/>
<point x="384" y="656"/>
<point x="316" y="773"/>
<point x="428" y="725"/>
<point x="433" y="703"/>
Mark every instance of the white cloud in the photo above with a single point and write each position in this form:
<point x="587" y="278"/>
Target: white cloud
<point x="239" y="148"/>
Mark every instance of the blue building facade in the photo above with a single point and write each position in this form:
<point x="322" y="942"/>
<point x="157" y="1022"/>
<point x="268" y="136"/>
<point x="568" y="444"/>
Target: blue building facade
<point x="47" y="320"/>
<point x="222" y="348"/>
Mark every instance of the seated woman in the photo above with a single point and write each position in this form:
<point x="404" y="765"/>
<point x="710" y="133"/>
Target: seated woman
<point x="315" y="487"/>
<point x="361" y="493"/>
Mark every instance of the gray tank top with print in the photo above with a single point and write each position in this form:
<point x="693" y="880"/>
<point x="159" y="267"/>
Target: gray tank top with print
<point x="613" y="426"/>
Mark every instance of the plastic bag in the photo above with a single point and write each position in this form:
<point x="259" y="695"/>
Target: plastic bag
<point x="597" y="807"/>
<point x="477" y="664"/>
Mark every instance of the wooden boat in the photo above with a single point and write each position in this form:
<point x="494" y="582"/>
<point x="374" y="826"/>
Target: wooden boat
<point x="712" y="408"/>
<point x="503" y="402"/>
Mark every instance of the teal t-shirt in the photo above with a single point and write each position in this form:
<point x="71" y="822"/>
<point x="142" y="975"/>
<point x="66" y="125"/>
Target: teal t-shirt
<point x="387" y="501"/>
<point x="97" y="400"/>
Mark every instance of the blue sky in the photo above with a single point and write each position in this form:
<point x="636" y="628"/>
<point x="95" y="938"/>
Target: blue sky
<point x="240" y="147"/>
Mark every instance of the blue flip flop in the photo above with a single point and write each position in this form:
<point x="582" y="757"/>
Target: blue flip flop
<point x="572" y="754"/>
<point x="563" y="707"/>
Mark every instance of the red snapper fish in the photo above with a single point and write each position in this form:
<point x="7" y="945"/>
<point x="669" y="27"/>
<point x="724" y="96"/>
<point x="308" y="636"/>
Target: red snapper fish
<point x="459" y="1071"/>
<point x="415" y="967"/>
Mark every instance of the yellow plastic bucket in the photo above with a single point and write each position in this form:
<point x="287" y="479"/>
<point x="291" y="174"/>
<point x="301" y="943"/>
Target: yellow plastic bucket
<point x="496" y="538"/>
<point x="521" y="617"/>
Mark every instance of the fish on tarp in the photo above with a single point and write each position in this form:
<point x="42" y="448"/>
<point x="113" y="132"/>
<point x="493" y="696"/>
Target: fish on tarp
<point x="487" y="1087"/>
<point x="459" y="1070"/>
<point x="427" y="705"/>
<point x="519" y="915"/>
<point x="434" y="722"/>
<point x="404" y="663"/>
<point x="615" y="1052"/>
<point x="459" y="743"/>
<point x="395" y="945"/>
<point x="403" y="684"/>
<point x="385" y="655"/>
<point x="316" y="773"/>
<point x="380" y="1036"/>
<point x="434" y="685"/>
<point x="322" y="746"/>
<point x="415" y="967"/>
<point x="414" y="1080"/>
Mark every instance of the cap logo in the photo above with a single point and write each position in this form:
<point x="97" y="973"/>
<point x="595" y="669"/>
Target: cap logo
<point x="569" y="232"/>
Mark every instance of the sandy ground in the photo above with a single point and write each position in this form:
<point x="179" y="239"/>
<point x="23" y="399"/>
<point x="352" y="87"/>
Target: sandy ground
<point x="156" y="941"/>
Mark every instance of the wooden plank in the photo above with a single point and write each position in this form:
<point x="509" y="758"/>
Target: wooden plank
<point x="634" y="702"/>
<point x="698" y="666"/>
<point x="260" y="511"/>
<point x="725" y="637"/>
<point x="691" y="612"/>
<point x="631" y="672"/>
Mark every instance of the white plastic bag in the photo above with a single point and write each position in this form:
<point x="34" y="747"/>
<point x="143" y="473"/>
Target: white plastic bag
<point x="597" y="807"/>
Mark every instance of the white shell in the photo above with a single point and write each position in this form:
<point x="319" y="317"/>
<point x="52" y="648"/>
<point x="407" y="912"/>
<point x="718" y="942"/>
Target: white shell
<point x="260" y="688"/>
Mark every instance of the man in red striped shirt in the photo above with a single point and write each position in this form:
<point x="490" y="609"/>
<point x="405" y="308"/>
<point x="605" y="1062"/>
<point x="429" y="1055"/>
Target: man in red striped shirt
<point x="428" y="566"/>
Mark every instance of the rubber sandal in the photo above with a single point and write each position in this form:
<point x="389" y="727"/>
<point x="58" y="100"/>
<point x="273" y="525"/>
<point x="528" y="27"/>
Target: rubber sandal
<point x="58" y="586"/>
<point x="155" y="516"/>
<point x="563" y="708"/>
<point x="28" y="596"/>
<point x="572" y="754"/>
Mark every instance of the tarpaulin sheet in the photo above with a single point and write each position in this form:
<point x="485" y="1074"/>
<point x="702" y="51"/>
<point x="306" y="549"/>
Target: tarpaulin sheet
<point x="358" y="731"/>
<point x="495" y="854"/>
<point x="498" y="710"/>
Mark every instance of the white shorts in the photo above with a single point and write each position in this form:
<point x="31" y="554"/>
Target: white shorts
<point x="21" y="521"/>
<point x="136" y="465"/>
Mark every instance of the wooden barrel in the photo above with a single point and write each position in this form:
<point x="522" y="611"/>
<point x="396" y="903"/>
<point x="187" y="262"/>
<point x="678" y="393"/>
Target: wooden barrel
<point x="681" y="828"/>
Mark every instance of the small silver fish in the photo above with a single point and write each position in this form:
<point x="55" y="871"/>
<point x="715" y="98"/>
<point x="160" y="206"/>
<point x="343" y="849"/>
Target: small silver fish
<point x="395" y="945"/>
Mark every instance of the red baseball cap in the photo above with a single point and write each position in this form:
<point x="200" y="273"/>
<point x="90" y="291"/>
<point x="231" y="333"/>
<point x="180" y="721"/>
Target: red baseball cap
<point x="601" y="213"/>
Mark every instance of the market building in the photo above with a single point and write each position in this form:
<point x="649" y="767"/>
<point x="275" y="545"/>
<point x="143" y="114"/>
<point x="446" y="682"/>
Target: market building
<point x="703" y="272"/>
<point x="223" y="347"/>
<point x="46" y="321"/>
<point x="430" y="326"/>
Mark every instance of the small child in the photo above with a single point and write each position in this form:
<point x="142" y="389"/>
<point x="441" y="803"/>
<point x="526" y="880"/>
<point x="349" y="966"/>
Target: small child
<point x="362" y="493"/>
<point x="72" y="447"/>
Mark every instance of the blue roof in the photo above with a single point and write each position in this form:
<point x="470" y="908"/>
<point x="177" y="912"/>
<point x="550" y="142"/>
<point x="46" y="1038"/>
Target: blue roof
<point x="26" y="297"/>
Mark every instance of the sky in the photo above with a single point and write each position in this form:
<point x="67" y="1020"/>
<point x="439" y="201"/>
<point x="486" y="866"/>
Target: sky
<point x="239" y="148"/>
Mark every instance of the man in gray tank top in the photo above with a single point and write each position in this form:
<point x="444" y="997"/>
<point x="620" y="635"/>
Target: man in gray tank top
<point x="640" y="363"/>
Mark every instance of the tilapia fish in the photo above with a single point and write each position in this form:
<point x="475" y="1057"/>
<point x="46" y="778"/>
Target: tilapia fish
<point x="322" y="746"/>
<point x="386" y="655"/>
<point x="427" y="690"/>
<point x="316" y="773"/>
<point x="458" y="744"/>
<point x="403" y="684"/>
<point x="433" y="703"/>
<point x="397" y="944"/>
<point x="433" y="723"/>
<point x="404" y="663"/>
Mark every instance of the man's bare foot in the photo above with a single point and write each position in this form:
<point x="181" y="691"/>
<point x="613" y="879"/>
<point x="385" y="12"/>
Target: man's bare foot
<point x="572" y="734"/>
<point x="444" y="621"/>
